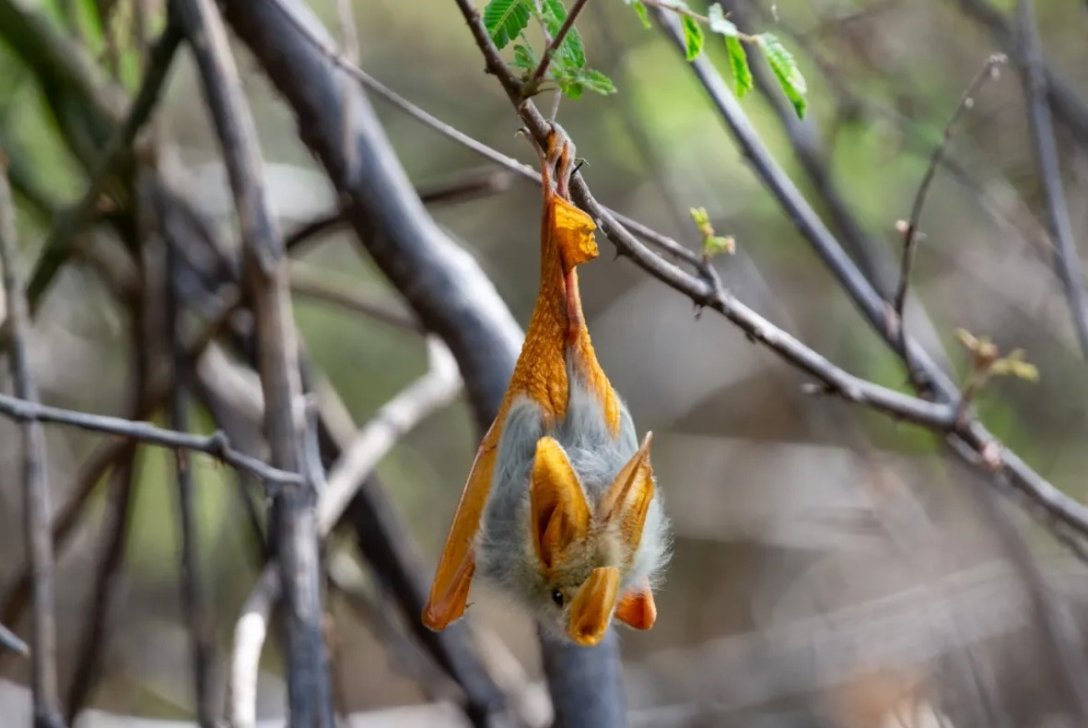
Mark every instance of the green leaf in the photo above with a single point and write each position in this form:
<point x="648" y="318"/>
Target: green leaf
<point x="701" y="218"/>
<point x="738" y="64"/>
<point x="571" y="88"/>
<point x="693" y="37"/>
<point x="595" y="81"/>
<point x="713" y="244"/>
<point x="505" y="19"/>
<point x="571" y="52"/>
<point x="786" y="71"/>
<point x="718" y="244"/>
<point x="640" y="11"/>
<point x="524" y="58"/>
<point x="719" y="23"/>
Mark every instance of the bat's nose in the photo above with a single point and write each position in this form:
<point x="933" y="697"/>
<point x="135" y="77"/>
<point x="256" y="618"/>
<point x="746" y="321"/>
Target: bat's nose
<point x="591" y="610"/>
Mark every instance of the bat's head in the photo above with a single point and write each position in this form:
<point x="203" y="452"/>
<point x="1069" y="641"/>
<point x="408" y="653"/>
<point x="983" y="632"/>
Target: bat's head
<point x="591" y="557"/>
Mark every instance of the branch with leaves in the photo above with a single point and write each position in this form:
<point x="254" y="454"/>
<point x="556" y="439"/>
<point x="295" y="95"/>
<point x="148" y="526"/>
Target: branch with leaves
<point x="1066" y="517"/>
<point x="564" y="59"/>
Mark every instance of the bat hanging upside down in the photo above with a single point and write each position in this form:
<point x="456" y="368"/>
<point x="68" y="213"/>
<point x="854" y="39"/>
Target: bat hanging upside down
<point x="560" y="509"/>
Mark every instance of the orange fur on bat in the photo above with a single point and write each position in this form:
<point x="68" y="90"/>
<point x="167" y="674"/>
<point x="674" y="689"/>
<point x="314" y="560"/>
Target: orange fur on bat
<point x="557" y="328"/>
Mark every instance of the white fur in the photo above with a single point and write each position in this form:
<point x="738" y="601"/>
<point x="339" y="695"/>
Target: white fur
<point x="504" y="552"/>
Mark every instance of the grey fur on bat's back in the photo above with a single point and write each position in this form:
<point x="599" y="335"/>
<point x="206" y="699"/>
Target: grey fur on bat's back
<point x="504" y="553"/>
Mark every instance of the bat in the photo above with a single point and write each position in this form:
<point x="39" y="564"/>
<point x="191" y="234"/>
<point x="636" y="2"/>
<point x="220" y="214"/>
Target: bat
<point x="560" y="510"/>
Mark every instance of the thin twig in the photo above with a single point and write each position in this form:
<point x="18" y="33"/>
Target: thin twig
<point x="58" y="246"/>
<point x="468" y="185"/>
<point x="380" y="308"/>
<point x="87" y="672"/>
<point x="245" y="655"/>
<point x="436" y="388"/>
<point x="10" y="641"/>
<point x="910" y="233"/>
<point x="193" y="603"/>
<point x="68" y="517"/>
<point x="1065" y="100"/>
<point x="553" y="46"/>
<point x="308" y="231"/>
<point x="1066" y="260"/>
<point x="215" y="444"/>
<point x="36" y="507"/>
<point x="294" y="528"/>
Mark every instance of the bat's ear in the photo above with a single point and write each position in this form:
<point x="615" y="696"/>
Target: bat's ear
<point x="560" y="513"/>
<point x="627" y="501"/>
<point x="637" y="609"/>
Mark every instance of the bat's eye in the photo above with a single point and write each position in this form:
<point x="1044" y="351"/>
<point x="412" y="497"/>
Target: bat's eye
<point x="557" y="597"/>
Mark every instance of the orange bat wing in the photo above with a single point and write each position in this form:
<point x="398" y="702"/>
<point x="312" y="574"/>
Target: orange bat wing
<point x="449" y="592"/>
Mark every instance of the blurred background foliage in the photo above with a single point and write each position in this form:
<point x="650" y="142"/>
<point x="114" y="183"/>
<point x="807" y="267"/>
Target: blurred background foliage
<point x="785" y="505"/>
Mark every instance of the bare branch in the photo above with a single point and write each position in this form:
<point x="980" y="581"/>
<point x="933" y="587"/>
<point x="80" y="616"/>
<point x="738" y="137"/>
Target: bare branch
<point x="193" y="604"/>
<point x="910" y="233"/>
<point x="1050" y="504"/>
<point x="215" y="444"/>
<point x="36" y="507"/>
<point x="249" y="634"/>
<point x="1066" y="260"/>
<point x="1064" y="98"/>
<point x="467" y="186"/>
<point x="93" y="635"/>
<point x="310" y="283"/>
<point x="295" y="530"/>
<point x="10" y="641"/>
<point x="435" y="389"/>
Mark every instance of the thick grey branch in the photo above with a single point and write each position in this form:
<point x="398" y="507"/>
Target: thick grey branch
<point x="266" y="276"/>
